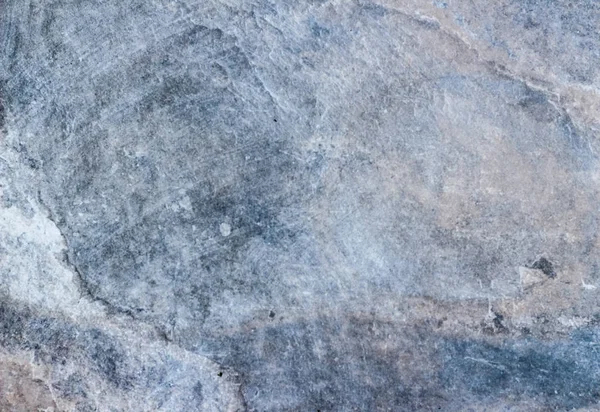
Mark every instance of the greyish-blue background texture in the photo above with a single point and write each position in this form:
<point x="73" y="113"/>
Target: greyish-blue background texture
<point x="310" y="205"/>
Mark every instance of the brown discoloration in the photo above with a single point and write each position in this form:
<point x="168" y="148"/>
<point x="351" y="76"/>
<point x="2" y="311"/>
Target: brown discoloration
<point x="21" y="390"/>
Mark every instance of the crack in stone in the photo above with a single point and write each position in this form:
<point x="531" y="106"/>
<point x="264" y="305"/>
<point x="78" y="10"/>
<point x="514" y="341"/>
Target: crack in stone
<point x="553" y="96"/>
<point x="84" y="286"/>
<point x="87" y="291"/>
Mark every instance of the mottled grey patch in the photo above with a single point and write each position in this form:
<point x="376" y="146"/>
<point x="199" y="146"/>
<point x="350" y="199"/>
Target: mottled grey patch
<point x="13" y="326"/>
<point x="318" y="30"/>
<point x="554" y="132"/>
<point x="556" y="27"/>
<point x="427" y="23"/>
<point x="73" y="387"/>
<point x="2" y="111"/>
<point x="221" y="156"/>
<point x="536" y="104"/>
<point x="54" y="341"/>
<point x="107" y="358"/>
<point x="373" y="9"/>
<point x="197" y="392"/>
<point x="330" y="364"/>
<point x="85" y="360"/>
<point x="545" y="266"/>
<point x="563" y="376"/>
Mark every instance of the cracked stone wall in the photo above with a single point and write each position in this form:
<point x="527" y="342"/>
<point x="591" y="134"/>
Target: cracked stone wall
<point x="320" y="205"/>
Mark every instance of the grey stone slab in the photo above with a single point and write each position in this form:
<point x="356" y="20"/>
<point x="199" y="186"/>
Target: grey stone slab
<point x="313" y="206"/>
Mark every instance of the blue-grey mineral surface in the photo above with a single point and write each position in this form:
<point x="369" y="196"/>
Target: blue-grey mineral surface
<point x="310" y="205"/>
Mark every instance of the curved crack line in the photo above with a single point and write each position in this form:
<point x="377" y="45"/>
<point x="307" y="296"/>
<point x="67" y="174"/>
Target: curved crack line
<point x="84" y="287"/>
<point x="549" y="90"/>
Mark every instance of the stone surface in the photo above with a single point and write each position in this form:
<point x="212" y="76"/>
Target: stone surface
<point x="318" y="205"/>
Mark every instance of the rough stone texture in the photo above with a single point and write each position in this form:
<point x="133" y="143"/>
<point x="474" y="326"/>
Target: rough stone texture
<point x="315" y="205"/>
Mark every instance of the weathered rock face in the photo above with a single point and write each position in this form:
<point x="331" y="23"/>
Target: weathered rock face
<point x="306" y="206"/>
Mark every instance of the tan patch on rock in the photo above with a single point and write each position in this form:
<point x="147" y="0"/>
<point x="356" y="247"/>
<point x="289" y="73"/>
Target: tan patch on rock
<point x="20" y="391"/>
<point x="531" y="277"/>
